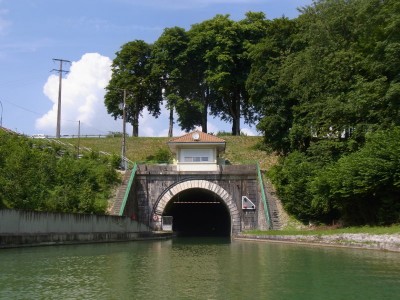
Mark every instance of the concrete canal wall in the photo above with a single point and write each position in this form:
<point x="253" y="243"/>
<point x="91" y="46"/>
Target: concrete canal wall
<point x="21" y="228"/>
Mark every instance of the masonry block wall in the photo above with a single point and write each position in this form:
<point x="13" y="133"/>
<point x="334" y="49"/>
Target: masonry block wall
<point x="153" y="181"/>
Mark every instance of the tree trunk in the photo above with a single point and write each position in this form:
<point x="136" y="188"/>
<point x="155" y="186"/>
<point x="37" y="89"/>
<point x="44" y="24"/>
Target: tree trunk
<point x="171" y="122"/>
<point x="235" y="110"/>
<point x="204" y="119"/>
<point x="204" y="113"/>
<point x="135" y="124"/>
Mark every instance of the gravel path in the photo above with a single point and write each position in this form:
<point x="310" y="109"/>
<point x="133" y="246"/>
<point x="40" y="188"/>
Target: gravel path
<point x="388" y="242"/>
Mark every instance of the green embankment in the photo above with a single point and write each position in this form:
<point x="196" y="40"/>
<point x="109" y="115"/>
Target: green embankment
<point x="239" y="149"/>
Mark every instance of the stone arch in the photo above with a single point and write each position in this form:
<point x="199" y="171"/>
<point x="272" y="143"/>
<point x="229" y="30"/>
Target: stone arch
<point x="174" y="190"/>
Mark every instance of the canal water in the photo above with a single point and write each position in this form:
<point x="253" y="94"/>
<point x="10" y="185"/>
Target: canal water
<point x="200" y="268"/>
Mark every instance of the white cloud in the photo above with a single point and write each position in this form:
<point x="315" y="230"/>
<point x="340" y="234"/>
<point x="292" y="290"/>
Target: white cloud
<point x="150" y="126"/>
<point x="249" y="132"/>
<point x="82" y="98"/>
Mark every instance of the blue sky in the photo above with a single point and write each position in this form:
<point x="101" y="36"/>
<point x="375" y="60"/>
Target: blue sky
<point x="89" y="33"/>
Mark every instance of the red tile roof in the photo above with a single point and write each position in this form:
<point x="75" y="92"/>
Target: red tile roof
<point x="203" y="138"/>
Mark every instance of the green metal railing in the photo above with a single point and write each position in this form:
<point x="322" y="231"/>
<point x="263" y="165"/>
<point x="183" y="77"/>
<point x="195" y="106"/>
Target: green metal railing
<point x="264" y="197"/>
<point x="128" y="189"/>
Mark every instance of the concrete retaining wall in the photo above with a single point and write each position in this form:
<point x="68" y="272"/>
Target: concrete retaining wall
<point x="31" y="228"/>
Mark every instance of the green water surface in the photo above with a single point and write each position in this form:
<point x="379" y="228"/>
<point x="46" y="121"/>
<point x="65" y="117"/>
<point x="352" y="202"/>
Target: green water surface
<point x="200" y="268"/>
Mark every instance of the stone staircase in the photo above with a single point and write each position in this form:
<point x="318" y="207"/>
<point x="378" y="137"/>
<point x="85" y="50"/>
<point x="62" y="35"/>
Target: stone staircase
<point x="274" y="212"/>
<point x="119" y="198"/>
<point x="275" y="207"/>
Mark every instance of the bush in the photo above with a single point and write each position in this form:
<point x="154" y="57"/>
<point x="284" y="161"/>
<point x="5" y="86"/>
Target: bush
<point x="329" y="182"/>
<point x="34" y="177"/>
<point x="162" y="155"/>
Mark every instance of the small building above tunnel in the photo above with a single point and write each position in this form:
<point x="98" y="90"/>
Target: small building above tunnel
<point x="197" y="151"/>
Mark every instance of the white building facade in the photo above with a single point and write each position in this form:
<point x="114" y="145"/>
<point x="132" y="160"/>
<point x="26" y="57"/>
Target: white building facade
<point x="197" y="151"/>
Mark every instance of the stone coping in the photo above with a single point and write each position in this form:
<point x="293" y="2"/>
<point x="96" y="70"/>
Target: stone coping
<point x="51" y="239"/>
<point x="386" y="242"/>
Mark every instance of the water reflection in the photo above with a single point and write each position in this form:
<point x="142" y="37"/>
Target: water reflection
<point x="197" y="269"/>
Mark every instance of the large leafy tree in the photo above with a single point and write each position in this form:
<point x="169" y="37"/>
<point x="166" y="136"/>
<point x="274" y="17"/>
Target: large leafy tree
<point x="268" y="94"/>
<point x="223" y="44"/>
<point x="131" y="74"/>
<point x="171" y="65"/>
<point x="194" y="111"/>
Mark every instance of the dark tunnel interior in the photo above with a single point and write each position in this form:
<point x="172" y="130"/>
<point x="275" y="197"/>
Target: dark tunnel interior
<point x="198" y="212"/>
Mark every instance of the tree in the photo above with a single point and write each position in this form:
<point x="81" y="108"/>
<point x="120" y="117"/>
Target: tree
<point x="223" y="44"/>
<point x="169" y="62"/>
<point x="194" y="110"/>
<point x="365" y="185"/>
<point x="131" y="71"/>
<point x="267" y="93"/>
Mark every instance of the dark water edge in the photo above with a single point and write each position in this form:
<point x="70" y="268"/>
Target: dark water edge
<point x="197" y="268"/>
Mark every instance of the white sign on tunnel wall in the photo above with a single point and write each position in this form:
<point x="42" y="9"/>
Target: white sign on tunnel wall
<point x="247" y="203"/>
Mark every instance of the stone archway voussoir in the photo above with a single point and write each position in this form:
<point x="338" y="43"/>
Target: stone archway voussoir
<point x="210" y="186"/>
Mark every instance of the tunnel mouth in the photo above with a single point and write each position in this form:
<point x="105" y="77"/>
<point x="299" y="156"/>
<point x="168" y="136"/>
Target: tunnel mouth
<point x="199" y="212"/>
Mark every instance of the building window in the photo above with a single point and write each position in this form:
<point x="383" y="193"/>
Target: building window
<point x="195" y="159"/>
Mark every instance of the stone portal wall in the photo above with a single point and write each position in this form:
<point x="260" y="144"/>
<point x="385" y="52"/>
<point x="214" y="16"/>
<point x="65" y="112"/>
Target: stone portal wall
<point x="153" y="181"/>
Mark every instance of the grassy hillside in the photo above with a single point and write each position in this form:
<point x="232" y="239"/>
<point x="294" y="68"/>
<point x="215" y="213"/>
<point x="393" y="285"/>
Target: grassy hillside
<point x="239" y="150"/>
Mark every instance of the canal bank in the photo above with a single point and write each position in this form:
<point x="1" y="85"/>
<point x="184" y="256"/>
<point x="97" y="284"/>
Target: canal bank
<point x="386" y="242"/>
<point x="29" y="228"/>
<point x="51" y="239"/>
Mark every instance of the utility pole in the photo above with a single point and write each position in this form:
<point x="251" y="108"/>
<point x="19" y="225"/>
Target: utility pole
<point x="1" y="116"/>
<point x="79" y="136"/>
<point x="60" y="72"/>
<point x="123" y="151"/>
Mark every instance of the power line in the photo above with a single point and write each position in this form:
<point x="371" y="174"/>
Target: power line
<point x="19" y="82"/>
<point x="106" y="130"/>
<point x="23" y="108"/>
<point x="60" y="72"/>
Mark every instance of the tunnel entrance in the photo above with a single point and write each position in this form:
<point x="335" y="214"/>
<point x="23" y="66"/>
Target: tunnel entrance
<point x="198" y="212"/>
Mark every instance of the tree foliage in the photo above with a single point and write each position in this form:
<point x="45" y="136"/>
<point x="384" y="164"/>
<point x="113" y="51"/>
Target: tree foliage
<point x="35" y="177"/>
<point x="170" y="63"/>
<point x="329" y="96"/>
<point x="220" y="46"/>
<point x="131" y="74"/>
<point x="201" y="71"/>
<point x="326" y="73"/>
<point x="365" y="185"/>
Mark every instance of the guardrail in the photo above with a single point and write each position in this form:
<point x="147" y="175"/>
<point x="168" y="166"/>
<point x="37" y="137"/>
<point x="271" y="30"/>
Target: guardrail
<point x="264" y="198"/>
<point x="128" y="189"/>
<point x="70" y="136"/>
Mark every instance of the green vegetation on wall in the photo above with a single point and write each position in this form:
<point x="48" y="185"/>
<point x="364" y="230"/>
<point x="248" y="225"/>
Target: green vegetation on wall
<point x="38" y="176"/>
